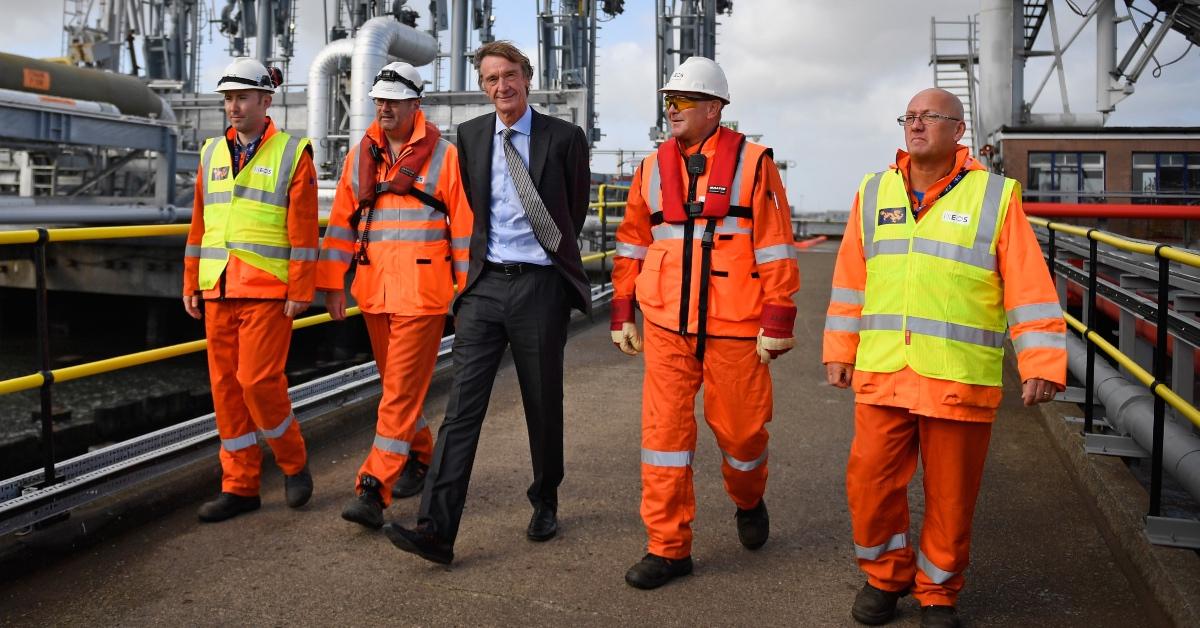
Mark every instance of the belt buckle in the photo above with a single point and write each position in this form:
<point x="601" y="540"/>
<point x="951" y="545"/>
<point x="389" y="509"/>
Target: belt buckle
<point x="512" y="269"/>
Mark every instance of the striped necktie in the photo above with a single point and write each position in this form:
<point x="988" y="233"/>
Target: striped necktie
<point x="544" y="229"/>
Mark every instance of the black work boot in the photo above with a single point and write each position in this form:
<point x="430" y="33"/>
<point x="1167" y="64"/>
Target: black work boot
<point x="298" y="488"/>
<point x="226" y="506"/>
<point x="939" y="617"/>
<point x="654" y="571"/>
<point x="367" y="509"/>
<point x="753" y="526"/>
<point x="875" y="606"/>
<point x="412" y="478"/>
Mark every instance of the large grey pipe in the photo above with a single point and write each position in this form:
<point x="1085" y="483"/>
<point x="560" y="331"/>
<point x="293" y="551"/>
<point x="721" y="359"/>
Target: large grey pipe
<point x="320" y="80"/>
<point x="93" y="214"/>
<point x="1002" y="67"/>
<point x="458" y="46"/>
<point x="1129" y="407"/>
<point x="262" y="38"/>
<point x="379" y="38"/>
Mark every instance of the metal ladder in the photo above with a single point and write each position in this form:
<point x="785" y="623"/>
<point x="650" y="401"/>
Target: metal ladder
<point x="954" y="53"/>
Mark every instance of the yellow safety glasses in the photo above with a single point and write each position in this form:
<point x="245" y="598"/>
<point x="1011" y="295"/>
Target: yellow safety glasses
<point x="681" y="102"/>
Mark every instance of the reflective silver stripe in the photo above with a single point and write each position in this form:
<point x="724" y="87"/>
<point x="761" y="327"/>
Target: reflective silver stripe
<point x="265" y="250"/>
<point x="435" y="166"/>
<point x="212" y="252"/>
<point x="206" y="158"/>
<point x="408" y="235"/>
<point x="728" y="224"/>
<point x="304" y="254"/>
<point x="883" y="322"/>
<point x="954" y="331"/>
<point x="421" y="423"/>
<point x="340" y="233"/>
<point x="989" y="213"/>
<point x="898" y="540"/>
<point x="278" y="197"/>
<point x="667" y="458"/>
<point x="975" y="257"/>
<point x="462" y="266"/>
<point x="735" y="189"/>
<point x="773" y="253"/>
<point x="336" y="255"/>
<point x="279" y="429"/>
<point x="391" y="445"/>
<point x="213" y="198"/>
<point x="842" y="323"/>
<point x="890" y="247"/>
<point x="653" y="189"/>
<point x="935" y="573"/>
<point x="460" y="243"/>
<point x="743" y="465"/>
<point x="667" y="232"/>
<point x="241" y="442"/>
<point x="354" y="170"/>
<point x="1040" y="340"/>
<point x="867" y="210"/>
<point x="632" y="251"/>
<point x="191" y="250"/>
<point x="846" y="295"/>
<point x="1034" y="312"/>
<point x="411" y="214"/>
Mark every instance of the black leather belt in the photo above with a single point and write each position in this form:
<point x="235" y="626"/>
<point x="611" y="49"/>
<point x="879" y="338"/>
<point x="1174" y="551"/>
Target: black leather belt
<point x="514" y="269"/>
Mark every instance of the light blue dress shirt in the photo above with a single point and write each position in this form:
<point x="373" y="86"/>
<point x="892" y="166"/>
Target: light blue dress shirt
<point x="510" y="236"/>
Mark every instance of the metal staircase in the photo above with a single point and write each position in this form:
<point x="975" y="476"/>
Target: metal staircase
<point x="954" y="55"/>
<point x="1034" y="12"/>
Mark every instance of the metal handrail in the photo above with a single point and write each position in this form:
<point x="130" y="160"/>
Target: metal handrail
<point x="1172" y="253"/>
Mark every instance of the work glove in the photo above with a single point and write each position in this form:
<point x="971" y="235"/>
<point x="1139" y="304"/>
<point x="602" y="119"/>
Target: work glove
<point x="775" y="335"/>
<point x="624" y="330"/>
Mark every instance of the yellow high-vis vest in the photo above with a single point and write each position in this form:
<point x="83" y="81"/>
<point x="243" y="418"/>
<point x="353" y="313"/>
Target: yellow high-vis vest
<point x="246" y="216"/>
<point x="934" y="299"/>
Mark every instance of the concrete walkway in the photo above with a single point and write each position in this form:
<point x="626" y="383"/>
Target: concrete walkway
<point x="1039" y="558"/>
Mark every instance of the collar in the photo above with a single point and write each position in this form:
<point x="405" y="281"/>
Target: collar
<point x="522" y="126"/>
<point x="268" y="131"/>
<point x="962" y="161"/>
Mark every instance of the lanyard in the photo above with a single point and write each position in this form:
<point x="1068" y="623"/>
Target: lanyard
<point x="926" y="202"/>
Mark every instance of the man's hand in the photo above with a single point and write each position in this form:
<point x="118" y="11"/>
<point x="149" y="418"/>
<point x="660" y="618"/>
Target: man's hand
<point x="838" y="374"/>
<point x="627" y="339"/>
<point x="335" y="303"/>
<point x="1035" y="391"/>
<point x="771" y="347"/>
<point x="191" y="304"/>
<point x="292" y="309"/>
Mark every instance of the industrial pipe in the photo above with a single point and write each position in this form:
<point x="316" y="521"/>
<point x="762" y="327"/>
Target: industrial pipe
<point x="1112" y="210"/>
<point x="1129" y="408"/>
<point x="127" y="93"/>
<point x="93" y="214"/>
<point x="320" y="77"/>
<point x="379" y="38"/>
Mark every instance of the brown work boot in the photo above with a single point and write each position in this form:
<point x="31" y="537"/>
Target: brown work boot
<point x="227" y="506"/>
<point x="939" y="617"/>
<point x="874" y="606"/>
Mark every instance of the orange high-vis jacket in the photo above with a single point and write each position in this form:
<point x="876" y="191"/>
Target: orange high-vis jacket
<point x="416" y="253"/>
<point x="753" y="259"/>
<point x="1026" y="282"/>
<point x="243" y="281"/>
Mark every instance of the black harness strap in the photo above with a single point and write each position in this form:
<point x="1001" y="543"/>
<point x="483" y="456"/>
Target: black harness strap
<point x="706" y="249"/>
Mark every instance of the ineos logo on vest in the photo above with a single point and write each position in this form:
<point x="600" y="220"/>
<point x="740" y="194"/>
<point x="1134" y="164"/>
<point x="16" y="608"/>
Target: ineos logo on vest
<point x="263" y="170"/>
<point x="220" y="174"/>
<point x="958" y="219"/>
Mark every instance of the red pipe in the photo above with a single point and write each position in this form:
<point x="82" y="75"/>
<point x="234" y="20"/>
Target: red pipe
<point x="1112" y="210"/>
<point x="804" y="244"/>
<point x="1148" y="331"/>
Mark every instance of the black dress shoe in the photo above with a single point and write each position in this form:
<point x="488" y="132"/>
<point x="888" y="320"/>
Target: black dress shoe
<point x="421" y="543"/>
<point x="298" y="488"/>
<point x="412" y="478"/>
<point x="654" y="571"/>
<point x="226" y="506"/>
<point x="543" y="525"/>
<point x="367" y="509"/>
<point x="874" y="606"/>
<point x="939" y="617"/>
<point x="753" y="525"/>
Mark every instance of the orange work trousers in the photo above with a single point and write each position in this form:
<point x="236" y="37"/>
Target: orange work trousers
<point x="737" y="407"/>
<point x="247" y="349"/>
<point x="405" y="349"/>
<point x="883" y="458"/>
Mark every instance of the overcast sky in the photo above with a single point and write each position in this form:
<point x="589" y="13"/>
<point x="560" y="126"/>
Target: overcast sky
<point x="821" y="81"/>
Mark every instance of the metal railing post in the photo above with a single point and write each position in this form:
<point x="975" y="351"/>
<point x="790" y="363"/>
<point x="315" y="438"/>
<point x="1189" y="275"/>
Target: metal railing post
<point x="603" y="191"/>
<point x="1160" y="376"/>
<point x="43" y="352"/>
<point x="1089" y="394"/>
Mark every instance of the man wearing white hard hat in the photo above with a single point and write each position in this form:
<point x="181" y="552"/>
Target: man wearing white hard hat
<point x="401" y="219"/>
<point x="251" y="260"/>
<point x="706" y="251"/>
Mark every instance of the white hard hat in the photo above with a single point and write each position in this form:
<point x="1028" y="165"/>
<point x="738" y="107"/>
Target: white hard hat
<point x="246" y="73"/>
<point x="397" y="81"/>
<point x="699" y="75"/>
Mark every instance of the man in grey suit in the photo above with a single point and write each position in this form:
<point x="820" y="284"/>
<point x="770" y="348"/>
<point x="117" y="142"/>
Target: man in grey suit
<point x="526" y="175"/>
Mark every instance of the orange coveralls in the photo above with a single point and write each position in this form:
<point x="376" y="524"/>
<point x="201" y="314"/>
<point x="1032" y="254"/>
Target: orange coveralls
<point x="416" y="256"/>
<point x="753" y="263"/>
<point x="248" y="337"/>
<point x="898" y="415"/>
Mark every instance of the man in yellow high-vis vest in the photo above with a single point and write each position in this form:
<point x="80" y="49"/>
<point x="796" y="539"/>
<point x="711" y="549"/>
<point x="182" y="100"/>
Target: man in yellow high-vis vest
<point x="251" y="258"/>
<point x="937" y="265"/>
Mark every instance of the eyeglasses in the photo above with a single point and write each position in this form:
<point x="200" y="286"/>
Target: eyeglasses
<point x="681" y="102"/>
<point x="926" y="118"/>
<point x="381" y="103"/>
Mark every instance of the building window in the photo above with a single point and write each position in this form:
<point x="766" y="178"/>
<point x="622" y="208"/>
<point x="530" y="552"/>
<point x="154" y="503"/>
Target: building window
<point x="1065" y="176"/>
<point x="1166" y="177"/>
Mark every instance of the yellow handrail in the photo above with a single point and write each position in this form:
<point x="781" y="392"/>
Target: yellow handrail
<point x="74" y="234"/>
<point x="598" y="256"/>
<point x="1174" y="254"/>
<point x="1142" y="375"/>
<point x="117" y="363"/>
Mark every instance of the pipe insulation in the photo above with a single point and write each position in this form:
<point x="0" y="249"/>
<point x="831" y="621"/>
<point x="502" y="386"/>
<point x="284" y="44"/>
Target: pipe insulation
<point x="378" y="39"/>
<point x="321" y="76"/>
